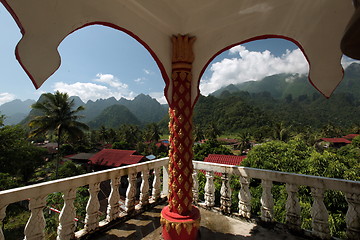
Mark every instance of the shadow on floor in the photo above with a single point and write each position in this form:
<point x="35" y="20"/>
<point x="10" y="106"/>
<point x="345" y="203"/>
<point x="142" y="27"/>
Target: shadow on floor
<point x="213" y="226"/>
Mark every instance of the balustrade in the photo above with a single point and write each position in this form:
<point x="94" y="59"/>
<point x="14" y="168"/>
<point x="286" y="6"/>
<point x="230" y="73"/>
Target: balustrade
<point x="66" y="230"/>
<point x="267" y="202"/>
<point x="38" y="193"/>
<point x="156" y="185"/>
<point x="225" y="198"/>
<point x="292" y="207"/>
<point x="92" y="208"/>
<point x="113" y="208"/>
<point x="209" y="190"/>
<point x="353" y="216"/>
<point x="320" y="225"/>
<point x="130" y="193"/>
<point x="144" y="188"/>
<point x="319" y="214"/>
<point x="244" y="198"/>
<point x="35" y="226"/>
<point x="195" y="188"/>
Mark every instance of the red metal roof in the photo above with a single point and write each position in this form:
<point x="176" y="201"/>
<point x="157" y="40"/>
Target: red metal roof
<point x="115" y="158"/>
<point x="224" y="159"/>
<point x="336" y="140"/>
<point x="351" y="136"/>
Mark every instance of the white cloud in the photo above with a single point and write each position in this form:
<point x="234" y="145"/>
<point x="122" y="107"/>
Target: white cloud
<point x="159" y="96"/>
<point x="6" y="97"/>
<point x="92" y="91"/>
<point x="148" y="72"/>
<point x="111" y="80"/>
<point x="346" y="61"/>
<point x="140" y="80"/>
<point x="252" y="66"/>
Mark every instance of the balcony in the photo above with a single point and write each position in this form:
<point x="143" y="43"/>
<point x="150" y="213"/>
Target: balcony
<point x="144" y="199"/>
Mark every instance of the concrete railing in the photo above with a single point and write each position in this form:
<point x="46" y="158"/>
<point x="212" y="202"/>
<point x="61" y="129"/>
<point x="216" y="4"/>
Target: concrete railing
<point x="318" y="185"/>
<point x="37" y="194"/>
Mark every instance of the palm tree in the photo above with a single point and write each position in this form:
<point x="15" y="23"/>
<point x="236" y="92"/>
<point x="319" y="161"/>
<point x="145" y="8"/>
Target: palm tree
<point x="58" y="116"/>
<point x="152" y="132"/>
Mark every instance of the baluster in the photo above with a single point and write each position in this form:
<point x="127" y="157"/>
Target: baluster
<point x="113" y="208"/>
<point x="319" y="214"/>
<point x="130" y="193"/>
<point x="156" y="185"/>
<point x="225" y="192"/>
<point x="353" y="216"/>
<point x="267" y="202"/>
<point x="2" y="216"/>
<point x="292" y="207"/>
<point x="35" y="226"/>
<point x="165" y="180"/>
<point x="66" y="228"/>
<point x="144" y="188"/>
<point x="92" y="208"/>
<point x="195" y="188"/>
<point x="209" y="190"/>
<point x="244" y="198"/>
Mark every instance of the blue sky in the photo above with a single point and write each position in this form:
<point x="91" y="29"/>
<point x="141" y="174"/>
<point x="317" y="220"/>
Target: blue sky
<point x="100" y="62"/>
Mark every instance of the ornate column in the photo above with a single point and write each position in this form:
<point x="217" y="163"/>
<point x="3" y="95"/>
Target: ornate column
<point x="180" y="219"/>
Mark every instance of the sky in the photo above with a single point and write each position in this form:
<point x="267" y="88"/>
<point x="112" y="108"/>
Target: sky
<point x="100" y="62"/>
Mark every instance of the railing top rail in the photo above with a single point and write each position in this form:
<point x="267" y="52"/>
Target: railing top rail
<point x="61" y="185"/>
<point x="285" y="177"/>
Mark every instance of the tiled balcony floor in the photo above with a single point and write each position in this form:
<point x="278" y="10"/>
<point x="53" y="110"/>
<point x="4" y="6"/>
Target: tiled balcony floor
<point x="213" y="226"/>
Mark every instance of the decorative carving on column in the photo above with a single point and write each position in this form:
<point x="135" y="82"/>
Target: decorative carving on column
<point x="244" y="198"/>
<point x="185" y="218"/>
<point x="319" y="214"/>
<point x="353" y="216"/>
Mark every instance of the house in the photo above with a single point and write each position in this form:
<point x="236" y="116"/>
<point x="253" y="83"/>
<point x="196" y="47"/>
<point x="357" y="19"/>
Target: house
<point x="225" y="159"/>
<point x="81" y="159"/>
<point x="111" y="158"/>
<point x="335" y="142"/>
<point x="232" y="160"/>
<point x="350" y="136"/>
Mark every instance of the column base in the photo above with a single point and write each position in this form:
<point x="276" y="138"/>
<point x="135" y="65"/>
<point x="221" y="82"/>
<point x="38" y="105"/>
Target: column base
<point x="178" y="227"/>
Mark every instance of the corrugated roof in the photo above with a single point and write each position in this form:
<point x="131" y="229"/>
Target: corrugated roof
<point x="336" y="140"/>
<point x="224" y="159"/>
<point x="80" y="156"/>
<point x="115" y="158"/>
<point x="351" y="136"/>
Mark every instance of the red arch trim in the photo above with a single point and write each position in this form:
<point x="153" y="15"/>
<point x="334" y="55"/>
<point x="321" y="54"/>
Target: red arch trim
<point x="137" y="38"/>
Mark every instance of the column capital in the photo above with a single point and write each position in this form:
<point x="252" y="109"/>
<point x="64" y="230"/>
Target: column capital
<point x="182" y="52"/>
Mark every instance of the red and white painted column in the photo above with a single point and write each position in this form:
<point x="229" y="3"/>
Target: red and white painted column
<point x="180" y="219"/>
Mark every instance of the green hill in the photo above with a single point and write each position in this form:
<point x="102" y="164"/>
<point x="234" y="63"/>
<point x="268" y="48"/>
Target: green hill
<point x="113" y="117"/>
<point x="283" y="85"/>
